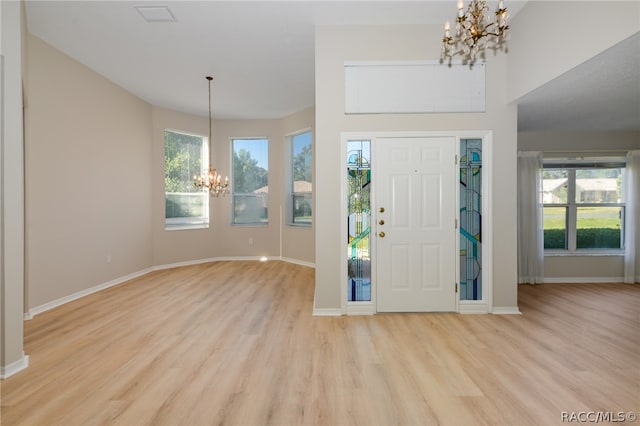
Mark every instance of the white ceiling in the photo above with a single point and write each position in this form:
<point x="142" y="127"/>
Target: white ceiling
<point x="261" y="54"/>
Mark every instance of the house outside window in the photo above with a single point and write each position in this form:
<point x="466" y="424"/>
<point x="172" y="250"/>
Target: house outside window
<point x="583" y="205"/>
<point x="185" y="156"/>
<point x="250" y="181"/>
<point x="300" y="183"/>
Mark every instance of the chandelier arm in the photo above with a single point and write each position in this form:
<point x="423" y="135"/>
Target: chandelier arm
<point x="472" y="26"/>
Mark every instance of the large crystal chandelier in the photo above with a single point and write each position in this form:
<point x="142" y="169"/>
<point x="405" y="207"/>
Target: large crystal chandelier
<point x="476" y="31"/>
<point x="211" y="180"/>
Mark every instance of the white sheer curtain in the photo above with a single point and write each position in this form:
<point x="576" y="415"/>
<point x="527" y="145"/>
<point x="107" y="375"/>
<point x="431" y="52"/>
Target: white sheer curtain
<point x="632" y="218"/>
<point x="530" y="231"/>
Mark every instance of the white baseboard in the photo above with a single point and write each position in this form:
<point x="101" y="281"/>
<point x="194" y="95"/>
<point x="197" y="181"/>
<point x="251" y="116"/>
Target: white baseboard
<point x="210" y="260"/>
<point x="61" y="301"/>
<point x="15" y="367"/>
<point x="531" y="280"/>
<point x="327" y="312"/>
<point x="473" y="308"/>
<point x="228" y="259"/>
<point x="82" y="293"/>
<point x="179" y="264"/>
<point x="298" y="262"/>
<point x="571" y="280"/>
<point x="243" y="258"/>
<point x="506" y="310"/>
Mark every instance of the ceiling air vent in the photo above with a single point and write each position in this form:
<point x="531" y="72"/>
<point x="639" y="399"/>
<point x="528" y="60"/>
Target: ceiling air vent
<point x="156" y="13"/>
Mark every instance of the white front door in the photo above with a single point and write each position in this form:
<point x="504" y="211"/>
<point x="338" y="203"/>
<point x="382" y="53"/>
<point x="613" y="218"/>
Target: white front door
<point x="415" y="222"/>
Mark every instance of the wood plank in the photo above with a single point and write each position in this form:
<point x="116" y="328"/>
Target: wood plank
<point x="235" y="343"/>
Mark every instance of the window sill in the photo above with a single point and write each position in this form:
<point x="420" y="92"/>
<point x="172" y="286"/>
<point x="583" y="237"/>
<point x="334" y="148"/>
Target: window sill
<point x="300" y="225"/>
<point x="588" y="253"/>
<point x="185" y="227"/>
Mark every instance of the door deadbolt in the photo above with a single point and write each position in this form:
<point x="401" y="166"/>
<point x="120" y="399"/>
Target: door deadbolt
<point x="381" y="209"/>
<point x="382" y="234"/>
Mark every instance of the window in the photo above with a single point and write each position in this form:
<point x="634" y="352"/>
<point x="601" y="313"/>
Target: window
<point x="300" y="182"/>
<point x="359" y="220"/>
<point x="250" y="185"/>
<point x="185" y="156"/>
<point x="470" y="219"/>
<point x="583" y="205"/>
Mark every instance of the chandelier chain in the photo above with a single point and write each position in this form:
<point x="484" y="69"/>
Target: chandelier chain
<point x="211" y="180"/>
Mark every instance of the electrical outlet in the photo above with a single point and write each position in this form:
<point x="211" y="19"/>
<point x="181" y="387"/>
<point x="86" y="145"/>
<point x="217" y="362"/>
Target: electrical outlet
<point x="108" y="258"/>
<point x="251" y="241"/>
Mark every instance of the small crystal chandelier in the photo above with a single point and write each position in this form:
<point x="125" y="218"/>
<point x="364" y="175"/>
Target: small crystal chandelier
<point x="475" y="31"/>
<point x="211" y="180"/>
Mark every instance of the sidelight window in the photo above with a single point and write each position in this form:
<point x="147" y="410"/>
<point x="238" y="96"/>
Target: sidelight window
<point x="359" y="220"/>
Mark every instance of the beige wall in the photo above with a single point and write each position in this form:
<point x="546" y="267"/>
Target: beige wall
<point x="298" y="241"/>
<point x="222" y="239"/>
<point x="95" y="183"/>
<point x="266" y="239"/>
<point x="550" y="38"/>
<point x="584" y="268"/>
<point x="176" y="246"/>
<point x="12" y="23"/>
<point x="127" y="136"/>
<point x="578" y="141"/>
<point x="88" y="178"/>
<point x="334" y="46"/>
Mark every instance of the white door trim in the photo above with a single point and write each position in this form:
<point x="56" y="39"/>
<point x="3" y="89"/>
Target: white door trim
<point x="478" y="306"/>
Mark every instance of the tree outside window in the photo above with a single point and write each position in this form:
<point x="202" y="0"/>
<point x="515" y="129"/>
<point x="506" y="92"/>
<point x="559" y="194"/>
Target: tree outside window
<point x="250" y="185"/>
<point x="185" y="156"/>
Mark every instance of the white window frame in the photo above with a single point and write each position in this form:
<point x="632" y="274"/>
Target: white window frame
<point x="290" y="189"/>
<point x="570" y="165"/>
<point x="234" y="194"/>
<point x="200" y="222"/>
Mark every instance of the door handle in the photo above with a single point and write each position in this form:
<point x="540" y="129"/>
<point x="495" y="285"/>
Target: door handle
<point x="381" y="222"/>
<point x="382" y="234"/>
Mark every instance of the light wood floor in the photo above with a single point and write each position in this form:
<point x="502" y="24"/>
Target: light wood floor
<point x="235" y="343"/>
